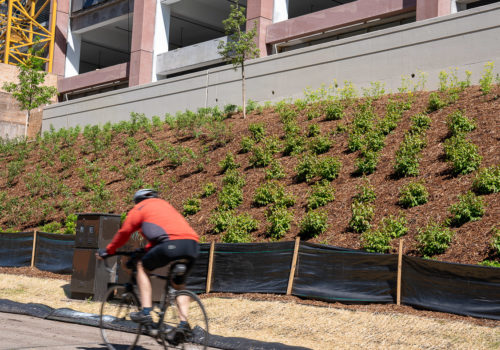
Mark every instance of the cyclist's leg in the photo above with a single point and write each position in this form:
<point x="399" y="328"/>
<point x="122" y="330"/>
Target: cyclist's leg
<point x="144" y="284"/>
<point x="166" y="252"/>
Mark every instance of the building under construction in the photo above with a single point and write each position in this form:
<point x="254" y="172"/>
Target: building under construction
<point x="100" y="45"/>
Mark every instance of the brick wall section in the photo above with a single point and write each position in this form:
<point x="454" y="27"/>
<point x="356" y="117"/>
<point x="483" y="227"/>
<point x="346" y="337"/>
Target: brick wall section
<point x="12" y="119"/>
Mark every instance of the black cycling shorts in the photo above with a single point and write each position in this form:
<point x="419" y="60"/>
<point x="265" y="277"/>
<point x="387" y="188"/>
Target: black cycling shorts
<point x="165" y="252"/>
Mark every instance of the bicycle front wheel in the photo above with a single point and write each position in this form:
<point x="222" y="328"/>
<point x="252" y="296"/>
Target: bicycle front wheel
<point x="117" y="329"/>
<point x="193" y="337"/>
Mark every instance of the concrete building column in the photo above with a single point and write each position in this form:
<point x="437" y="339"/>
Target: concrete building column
<point x="280" y="12"/>
<point x="433" y="8"/>
<point x="141" y="55"/>
<point x="162" y="33"/>
<point x="260" y="13"/>
<point x="61" y="35"/>
<point x="73" y="50"/>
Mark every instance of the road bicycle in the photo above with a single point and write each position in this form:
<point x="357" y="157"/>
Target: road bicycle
<point x="119" y="332"/>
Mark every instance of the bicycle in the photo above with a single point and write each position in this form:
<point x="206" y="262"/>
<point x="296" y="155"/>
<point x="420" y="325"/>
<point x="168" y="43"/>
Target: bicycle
<point x="119" y="332"/>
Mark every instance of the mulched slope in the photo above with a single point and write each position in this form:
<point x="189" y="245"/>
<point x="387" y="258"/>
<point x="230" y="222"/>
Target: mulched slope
<point x="471" y="241"/>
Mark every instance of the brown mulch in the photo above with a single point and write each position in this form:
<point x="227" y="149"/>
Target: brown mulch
<point x="374" y="308"/>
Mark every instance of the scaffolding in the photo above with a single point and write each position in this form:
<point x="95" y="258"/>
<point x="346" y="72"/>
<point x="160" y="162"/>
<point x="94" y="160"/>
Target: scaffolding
<point x="27" y="27"/>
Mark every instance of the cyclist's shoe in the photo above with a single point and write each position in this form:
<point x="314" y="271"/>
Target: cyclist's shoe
<point x="141" y="318"/>
<point x="180" y="334"/>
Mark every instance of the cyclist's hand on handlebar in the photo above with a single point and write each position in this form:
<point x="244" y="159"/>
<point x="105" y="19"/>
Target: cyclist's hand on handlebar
<point x="101" y="254"/>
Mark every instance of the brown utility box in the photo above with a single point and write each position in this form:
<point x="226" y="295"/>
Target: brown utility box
<point x="95" y="230"/>
<point x="90" y="277"/>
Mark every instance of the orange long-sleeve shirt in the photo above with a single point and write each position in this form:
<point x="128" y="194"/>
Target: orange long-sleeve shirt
<point x="157" y="221"/>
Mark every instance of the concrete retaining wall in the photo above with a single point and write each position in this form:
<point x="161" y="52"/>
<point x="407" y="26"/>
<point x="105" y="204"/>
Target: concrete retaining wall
<point x="465" y="40"/>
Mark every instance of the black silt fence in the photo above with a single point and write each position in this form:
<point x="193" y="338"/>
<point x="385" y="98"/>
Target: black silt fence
<point x="455" y="288"/>
<point x="350" y="276"/>
<point x="54" y="252"/>
<point x="252" y="267"/>
<point x="16" y="249"/>
<point x="197" y="280"/>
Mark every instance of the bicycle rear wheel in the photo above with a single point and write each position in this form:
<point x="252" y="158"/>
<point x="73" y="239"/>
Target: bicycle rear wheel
<point x="117" y="329"/>
<point x="194" y="338"/>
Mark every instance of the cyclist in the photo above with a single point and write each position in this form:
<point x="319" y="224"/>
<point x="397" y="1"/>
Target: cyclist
<point x="169" y="236"/>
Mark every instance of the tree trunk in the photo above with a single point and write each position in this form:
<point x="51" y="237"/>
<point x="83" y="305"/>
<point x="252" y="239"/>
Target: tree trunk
<point x="243" y="90"/>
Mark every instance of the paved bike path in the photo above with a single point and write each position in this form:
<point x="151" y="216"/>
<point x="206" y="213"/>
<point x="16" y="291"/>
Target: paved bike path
<point x="47" y="316"/>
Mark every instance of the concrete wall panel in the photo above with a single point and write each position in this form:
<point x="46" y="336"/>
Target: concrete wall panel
<point x="465" y="40"/>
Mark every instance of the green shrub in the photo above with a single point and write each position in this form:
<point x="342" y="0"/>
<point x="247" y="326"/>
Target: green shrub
<point x="221" y="220"/>
<point x="469" y="208"/>
<point x="355" y="141"/>
<point x="239" y="228"/>
<point x="272" y="144"/>
<point x="375" y="241"/>
<point x="191" y="206"/>
<point x="313" y="112"/>
<point x="228" y="163"/>
<point x="374" y="141"/>
<point x="275" y="171"/>
<point x="413" y="194"/>
<point x="366" y="192"/>
<point x="306" y="168"/>
<point x="322" y="193"/>
<point x="328" y="168"/>
<point x="462" y="154"/>
<point x="394" y="226"/>
<point x="208" y="189"/>
<point x="435" y="102"/>
<point x="313" y="130"/>
<point x="252" y="106"/>
<point x="362" y="214"/>
<point x="70" y="224"/>
<point x="272" y="192"/>
<point x="458" y="123"/>
<point x="294" y="145"/>
<point x="487" y="180"/>
<point x="408" y="155"/>
<point x="495" y="239"/>
<point x="490" y="263"/>
<point x="14" y="168"/>
<point x="434" y="239"/>
<point x="367" y="164"/>
<point x="258" y="131"/>
<point x="247" y="144"/>
<point x="334" y="111"/>
<point x="230" y="197"/>
<point x="280" y="220"/>
<point x="291" y="128"/>
<point x="314" y="223"/>
<point x="261" y="156"/>
<point x="52" y="227"/>
<point x="230" y="109"/>
<point x="420" y="123"/>
<point x="320" y="144"/>
<point x="486" y="81"/>
<point x="233" y="177"/>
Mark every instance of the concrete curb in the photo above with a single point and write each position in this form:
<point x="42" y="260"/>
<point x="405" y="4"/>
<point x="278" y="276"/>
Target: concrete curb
<point x="87" y="319"/>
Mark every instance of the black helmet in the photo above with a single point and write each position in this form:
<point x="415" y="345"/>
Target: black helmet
<point x="143" y="194"/>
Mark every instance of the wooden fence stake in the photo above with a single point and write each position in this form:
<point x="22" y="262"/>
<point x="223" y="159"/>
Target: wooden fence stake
<point x="294" y="264"/>
<point x="400" y="265"/>
<point x="33" y="250"/>
<point x="210" y="266"/>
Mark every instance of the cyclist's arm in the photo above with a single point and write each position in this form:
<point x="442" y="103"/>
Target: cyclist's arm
<point x="131" y="224"/>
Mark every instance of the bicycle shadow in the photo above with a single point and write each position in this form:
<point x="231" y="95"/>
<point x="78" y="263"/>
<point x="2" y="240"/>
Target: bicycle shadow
<point x="117" y="347"/>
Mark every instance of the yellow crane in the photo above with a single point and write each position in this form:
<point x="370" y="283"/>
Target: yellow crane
<point x="24" y="24"/>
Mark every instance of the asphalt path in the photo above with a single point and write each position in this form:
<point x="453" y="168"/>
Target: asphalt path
<point x="27" y="332"/>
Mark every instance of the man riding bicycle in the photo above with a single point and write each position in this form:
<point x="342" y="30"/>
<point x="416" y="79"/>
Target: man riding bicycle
<point x="169" y="236"/>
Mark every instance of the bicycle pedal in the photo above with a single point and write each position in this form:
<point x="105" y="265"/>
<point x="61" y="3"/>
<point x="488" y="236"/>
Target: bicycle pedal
<point x="153" y="332"/>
